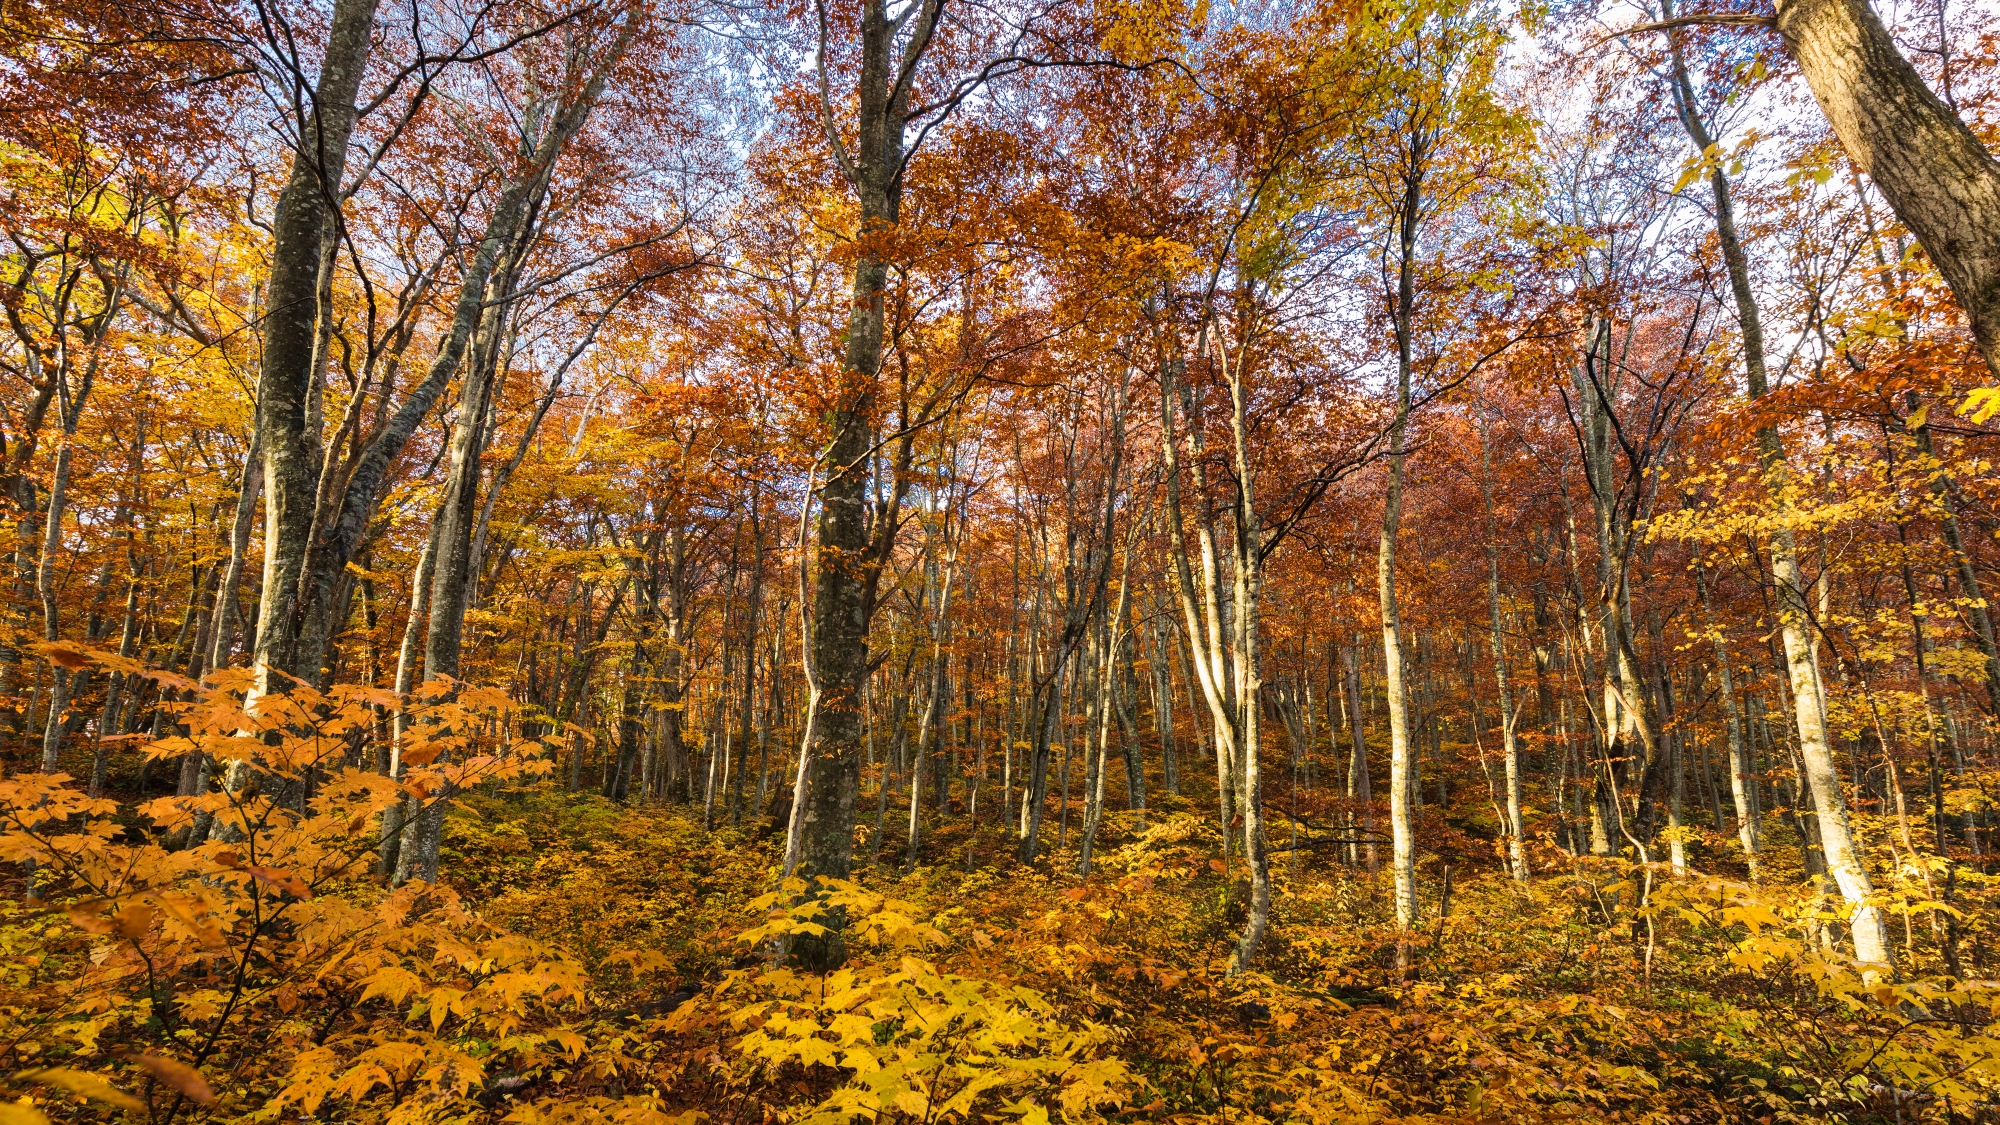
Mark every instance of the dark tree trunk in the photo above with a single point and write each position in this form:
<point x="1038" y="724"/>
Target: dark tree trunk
<point x="846" y="557"/>
<point x="306" y="217"/>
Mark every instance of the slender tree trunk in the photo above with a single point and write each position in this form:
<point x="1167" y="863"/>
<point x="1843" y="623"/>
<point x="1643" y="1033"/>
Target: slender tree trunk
<point x="1163" y="709"/>
<point x="70" y="404"/>
<point x="247" y="495"/>
<point x="1836" y="837"/>
<point x="1401" y="829"/>
<point x="1889" y="120"/>
<point x="1125" y="692"/>
<point x="1360" y="789"/>
<point x="1741" y="783"/>
<point x="45" y="586"/>
<point x="1201" y="610"/>
<point x="1247" y="570"/>
<point x="1516" y="851"/>
<point x="1112" y="632"/>
<point x="397" y="816"/>
<point x="1100" y="754"/>
<point x="1673" y="745"/>
<point x="752" y="609"/>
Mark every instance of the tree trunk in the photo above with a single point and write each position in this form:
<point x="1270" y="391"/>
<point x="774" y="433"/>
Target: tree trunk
<point x="1401" y="830"/>
<point x="1360" y="789"/>
<point x="750" y="654"/>
<point x="1163" y="706"/>
<point x="1112" y="639"/>
<point x="1941" y="181"/>
<point x="1741" y="783"/>
<point x="829" y="779"/>
<point x="252" y="487"/>
<point x="451" y="577"/>
<point x="306" y="215"/>
<point x="395" y="817"/>
<point x="1866" y="87"/>
<point x="1124" y="696"/>
<point x="1517" y="855"/>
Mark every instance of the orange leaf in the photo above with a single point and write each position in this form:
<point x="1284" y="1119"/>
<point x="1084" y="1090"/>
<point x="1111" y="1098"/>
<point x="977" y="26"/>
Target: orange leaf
<point x="178" y="1075"/>
<point x="89" y="916"/>
<point x="67" y="655"/>
<point x="283" y="880"/>
<point x="133" y="921"/>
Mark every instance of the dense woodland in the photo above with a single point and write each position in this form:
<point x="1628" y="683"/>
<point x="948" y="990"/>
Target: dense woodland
<point x="708" y="561"/>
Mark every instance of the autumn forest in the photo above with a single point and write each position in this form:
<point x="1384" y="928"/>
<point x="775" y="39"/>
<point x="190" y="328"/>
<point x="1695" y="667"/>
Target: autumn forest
<point x="673" y="561"/>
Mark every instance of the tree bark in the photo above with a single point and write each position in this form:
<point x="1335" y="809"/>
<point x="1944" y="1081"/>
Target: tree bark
<point x="306" y="215"/>
<point x="1158" y="662"/>
<point x="1932" y="169"/>
<point x="847" y="569"/>
<point x="1360" y="788"/>
<point x="752" y="608"/>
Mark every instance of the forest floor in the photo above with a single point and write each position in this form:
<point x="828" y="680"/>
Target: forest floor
<point x="587" y="961"/>
<point x="1589" y="992"/>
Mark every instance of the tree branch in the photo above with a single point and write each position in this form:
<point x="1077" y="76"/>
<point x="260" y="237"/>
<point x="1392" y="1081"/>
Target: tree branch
<point x="1705" y="19"/>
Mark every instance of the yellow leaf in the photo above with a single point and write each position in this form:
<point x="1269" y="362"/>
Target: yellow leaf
<point x="84" y="1083"/>
<point x="444" y="1002"/>
<point x="14" y="1113"/>
<point x="818" y="1052"/>
<point x="1982" y="404"/>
